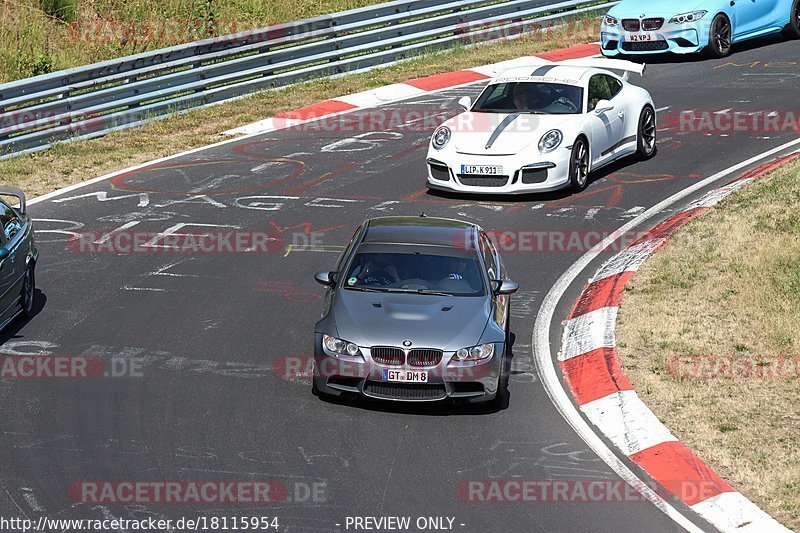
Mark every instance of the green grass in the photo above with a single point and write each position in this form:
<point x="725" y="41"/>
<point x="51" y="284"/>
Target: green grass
<point x="41" y="36"/>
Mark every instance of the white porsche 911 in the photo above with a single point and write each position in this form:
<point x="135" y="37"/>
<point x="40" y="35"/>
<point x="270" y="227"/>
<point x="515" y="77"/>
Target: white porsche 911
<point x="543" y="127"/>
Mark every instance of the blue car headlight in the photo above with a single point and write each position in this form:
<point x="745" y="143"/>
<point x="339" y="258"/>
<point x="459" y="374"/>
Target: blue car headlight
<point x="683" y="18"/>
<point x="476" y="353"/>
<point x="608" y="20"/>
<point x="441" y="137"/>
<point x="340" y="347"/>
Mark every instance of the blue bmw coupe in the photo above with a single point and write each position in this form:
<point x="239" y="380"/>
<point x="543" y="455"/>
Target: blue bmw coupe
<point x="687" y="26"/>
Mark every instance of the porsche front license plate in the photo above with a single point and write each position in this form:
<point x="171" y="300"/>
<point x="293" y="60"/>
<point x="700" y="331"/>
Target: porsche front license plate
<point x="484" y="170"/>
<point x="405" y="376"/>
<point x="641" y="37"/>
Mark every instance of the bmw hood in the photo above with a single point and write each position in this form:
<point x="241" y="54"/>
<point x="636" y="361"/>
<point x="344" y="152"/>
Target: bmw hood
<point x="665" y="8"/>
<point x="501" y="133"/>
<point x="446" y="323"/>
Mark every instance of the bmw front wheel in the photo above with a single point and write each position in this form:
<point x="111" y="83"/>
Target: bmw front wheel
<point x="720" y="37"/>
<point x="28" y="292"/>
<point x="792" y="30"/>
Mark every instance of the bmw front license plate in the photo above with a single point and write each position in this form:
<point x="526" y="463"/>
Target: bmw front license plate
<point x="483" y="170"/>
<point x="405" y="376"/>
<point x="641" y="37"/>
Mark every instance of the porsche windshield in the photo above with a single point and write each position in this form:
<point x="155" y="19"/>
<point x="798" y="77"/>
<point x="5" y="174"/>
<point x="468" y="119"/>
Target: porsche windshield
<point x="415" y="272"/>
<point x="530" y="97"/>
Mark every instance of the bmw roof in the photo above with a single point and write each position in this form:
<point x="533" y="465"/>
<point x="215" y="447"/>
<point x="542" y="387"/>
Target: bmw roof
<point x="423" y="230"/>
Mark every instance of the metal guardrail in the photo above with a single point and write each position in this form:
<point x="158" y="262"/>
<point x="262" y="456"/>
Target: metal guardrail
<point x="95" y="99"/>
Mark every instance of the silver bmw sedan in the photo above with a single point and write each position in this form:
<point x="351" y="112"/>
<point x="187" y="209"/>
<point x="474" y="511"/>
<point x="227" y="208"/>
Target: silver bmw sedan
<point x="416" y="310"/>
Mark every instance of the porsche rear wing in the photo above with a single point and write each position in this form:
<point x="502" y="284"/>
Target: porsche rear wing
<point x="627" y="67"/>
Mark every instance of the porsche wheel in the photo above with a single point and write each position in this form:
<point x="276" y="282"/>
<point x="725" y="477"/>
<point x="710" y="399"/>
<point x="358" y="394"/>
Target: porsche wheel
<point x="792" y="31"/>
<point x="646" y="139"/>
<point x="579" y="165"/>
<point x="720" y="37"/>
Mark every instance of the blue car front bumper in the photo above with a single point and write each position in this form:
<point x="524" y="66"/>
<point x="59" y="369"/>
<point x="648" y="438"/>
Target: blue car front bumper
<point x="675" y="38"/>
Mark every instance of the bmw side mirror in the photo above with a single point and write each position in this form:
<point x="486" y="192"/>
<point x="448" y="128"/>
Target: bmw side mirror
<point x="507" y="287"/>
<point x="465" y="102"/>
<point x="4" y="253"/>
<point x="603" y="106"/>
<point x="325" y="278"/>
<point x="13" y="191"/>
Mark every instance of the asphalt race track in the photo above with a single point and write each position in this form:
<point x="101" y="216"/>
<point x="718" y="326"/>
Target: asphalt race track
<point x="201" y="339"/>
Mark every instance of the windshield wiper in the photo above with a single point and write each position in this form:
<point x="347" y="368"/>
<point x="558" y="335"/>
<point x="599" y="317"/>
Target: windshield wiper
<point x="434" y="293"/>
<point x="400" y="291"/>
<point x="363" y="289"/>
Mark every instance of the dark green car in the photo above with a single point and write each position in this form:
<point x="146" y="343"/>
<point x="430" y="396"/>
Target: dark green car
<point x="18" y="256"/>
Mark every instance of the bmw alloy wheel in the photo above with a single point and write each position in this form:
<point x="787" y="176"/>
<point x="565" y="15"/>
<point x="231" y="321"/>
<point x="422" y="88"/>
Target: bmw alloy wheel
<point x="721" y="36"/>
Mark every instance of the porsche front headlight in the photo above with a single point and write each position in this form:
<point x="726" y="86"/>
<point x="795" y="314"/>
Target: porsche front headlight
<point x="550" y="141"/>
<point x="441" y="137"/>
<point x="687" y="17"/>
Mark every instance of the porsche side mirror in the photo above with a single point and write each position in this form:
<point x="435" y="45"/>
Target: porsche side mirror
<point x="507" y="287"/>
<point x="603" y="106"/>
<point x="465" y="102"/>
<point x="325" y="278"/>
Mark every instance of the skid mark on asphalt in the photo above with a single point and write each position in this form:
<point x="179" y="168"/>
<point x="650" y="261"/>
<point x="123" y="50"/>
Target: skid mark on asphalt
<point x="537" y="459"/>
<point x="164" y="271"/>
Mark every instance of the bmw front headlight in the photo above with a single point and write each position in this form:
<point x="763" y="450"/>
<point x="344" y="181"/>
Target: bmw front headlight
<point x="550" y="141"/>
<point x="683" y="18"/>
<point x="441" y="137"/>
<point x="340" y="347"/>
<point x="476" y="353"/>
<point x="608" y="20"/>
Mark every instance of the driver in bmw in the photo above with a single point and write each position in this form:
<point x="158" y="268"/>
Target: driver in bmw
<point x="377" y="272"/>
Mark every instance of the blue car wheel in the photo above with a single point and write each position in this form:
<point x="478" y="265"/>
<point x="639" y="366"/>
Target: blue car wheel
<point x="720" y="37"/>
<point x="792" y="30"/>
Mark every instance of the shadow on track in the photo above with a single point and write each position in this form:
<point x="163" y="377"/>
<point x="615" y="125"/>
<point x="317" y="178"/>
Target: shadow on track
<point x="11" y="331"/>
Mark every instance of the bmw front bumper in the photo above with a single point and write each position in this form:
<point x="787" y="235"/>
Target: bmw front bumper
<point x="473" y="382"/>
<point x="685" y="38"/>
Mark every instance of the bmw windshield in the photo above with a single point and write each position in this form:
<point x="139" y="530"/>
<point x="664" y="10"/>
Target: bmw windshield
<point x="416" y="273"/>
<point x="536" y="98"/>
